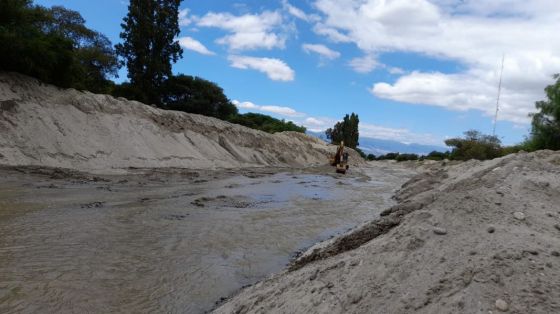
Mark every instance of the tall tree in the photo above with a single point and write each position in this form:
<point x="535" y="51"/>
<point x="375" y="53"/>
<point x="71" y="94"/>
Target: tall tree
<point x="149" y="46"/>
<point x="545" y="133"/>
<point x="196" y="95"/>
<point x="346" y="130"/>
<point x="55" y="46"/>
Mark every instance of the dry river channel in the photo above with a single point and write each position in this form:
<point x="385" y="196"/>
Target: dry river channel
<point x="168" y="241"/>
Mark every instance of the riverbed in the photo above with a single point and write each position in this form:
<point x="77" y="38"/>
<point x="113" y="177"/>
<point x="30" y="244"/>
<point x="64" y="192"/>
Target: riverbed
<point x="170" y="241"/>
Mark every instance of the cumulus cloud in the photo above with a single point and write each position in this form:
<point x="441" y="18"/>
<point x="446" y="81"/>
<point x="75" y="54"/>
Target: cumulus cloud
<point x="299" y="13"/>
<point x="321" y="50"/>
<point x="248" y="31"/>
<point x="364" y="64"/>
<point x="184" y="18"/>
<point x="473" y="33"/>
<point x="402" y="135"/>
<point x="284" y="111"/>
<point x="194" y="45"/>
<point x="275" y="69"/>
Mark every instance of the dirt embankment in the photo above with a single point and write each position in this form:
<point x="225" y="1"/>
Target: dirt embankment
<point x="42" y="125"/>
<point x="478" y="237"/>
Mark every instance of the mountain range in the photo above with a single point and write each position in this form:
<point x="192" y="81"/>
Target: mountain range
<point x="380" y="147"/>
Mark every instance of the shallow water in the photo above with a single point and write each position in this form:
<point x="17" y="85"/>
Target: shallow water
<point x="166" y="244"/>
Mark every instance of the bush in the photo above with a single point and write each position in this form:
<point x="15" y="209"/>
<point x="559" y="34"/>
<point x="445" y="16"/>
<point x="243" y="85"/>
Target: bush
<point x="435" y="155"/>
<point x="361" y="152"/>
<point x="370" y="157"/>
<point x="265" y="123"/>
<point x="196" y="95"/>
<point x="475" y="145"/>
<point x="406" y="157"/>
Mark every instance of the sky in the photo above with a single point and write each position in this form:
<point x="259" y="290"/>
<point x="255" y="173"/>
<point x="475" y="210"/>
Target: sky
<point x="415" y="71"/>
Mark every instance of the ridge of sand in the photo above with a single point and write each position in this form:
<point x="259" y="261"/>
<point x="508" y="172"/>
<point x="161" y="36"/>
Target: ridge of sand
<point x="478" y="237"/>
<point x="42" y="125"/>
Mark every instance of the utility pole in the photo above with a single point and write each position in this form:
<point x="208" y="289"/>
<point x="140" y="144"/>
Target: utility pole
<point x="498" y="98"/>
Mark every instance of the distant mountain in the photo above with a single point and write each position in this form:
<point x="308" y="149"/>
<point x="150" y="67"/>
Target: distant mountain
<point x="380" y="147"/>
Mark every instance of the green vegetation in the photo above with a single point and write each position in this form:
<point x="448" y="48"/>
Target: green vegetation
<point x="545" y="133"/>
<point x="346" y="130"/>
<point x="196" y="95"/>
<point x="149" y="46"/>
<point x="265" y="123"/>
<point x="475" y="145"/>
<point x="54" y="46"/>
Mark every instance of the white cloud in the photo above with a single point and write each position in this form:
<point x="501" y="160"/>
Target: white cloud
<point x="184" y="19"/>
<point x="194" y="45"/>
<point x="284" y="111"/>
<point x="473" y="33"/>
<point x="364" y="64"/>
<point x="396" y="70"/>
<point x="322" y="50"/>
<point x="275" y="69"/>
<point x="402" y="135"/>
<point x="248" y="31"/>
<point x="298" y="13"/>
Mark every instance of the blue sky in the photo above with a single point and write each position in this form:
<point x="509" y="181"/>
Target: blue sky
<point x="414" y="70"/>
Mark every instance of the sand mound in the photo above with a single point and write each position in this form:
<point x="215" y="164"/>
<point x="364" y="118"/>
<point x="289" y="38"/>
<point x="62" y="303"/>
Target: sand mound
<point x="478" y="237"/>
<point x="42" y="125"/>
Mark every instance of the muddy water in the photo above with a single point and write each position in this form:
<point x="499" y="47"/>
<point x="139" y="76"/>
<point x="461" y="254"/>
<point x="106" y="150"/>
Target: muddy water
<point x="163" y="243"/>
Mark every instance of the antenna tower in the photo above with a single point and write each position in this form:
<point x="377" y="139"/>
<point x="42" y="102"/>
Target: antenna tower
<point x="498" y="98"/>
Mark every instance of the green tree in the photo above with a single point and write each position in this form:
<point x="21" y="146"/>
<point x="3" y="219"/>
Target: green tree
<point x="196" y="95"/>
<point x="475" y="145"/>
<point x="545" y="133"/>
<point x="55" y="46"/>
<point x="266" y="123"/>
<point x="149" y="46"/>
<point x="346" y="130"/>
<point x="95" y="57"/>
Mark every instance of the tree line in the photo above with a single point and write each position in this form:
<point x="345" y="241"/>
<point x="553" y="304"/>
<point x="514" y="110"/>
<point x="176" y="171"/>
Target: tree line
<point x="55" y="46"/>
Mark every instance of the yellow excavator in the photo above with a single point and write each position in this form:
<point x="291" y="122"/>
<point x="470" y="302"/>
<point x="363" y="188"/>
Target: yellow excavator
<point x="340" y="159"/>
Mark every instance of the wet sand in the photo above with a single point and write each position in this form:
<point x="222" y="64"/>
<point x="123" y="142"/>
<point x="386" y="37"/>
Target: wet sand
<point x="168" y="241"/>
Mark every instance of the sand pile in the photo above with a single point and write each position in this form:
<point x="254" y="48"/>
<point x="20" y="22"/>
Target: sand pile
<point x="46" y="126"/>
<point x="478" y="237"/>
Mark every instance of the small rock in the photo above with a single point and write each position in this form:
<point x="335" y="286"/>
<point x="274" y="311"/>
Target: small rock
<point x="557" y="226"/>
<point x="440" y="231"/>
<point x="555" y="253"/>
<point x="491" y="229"/>
<point x="502" y="305"/>
<point x="519" y="215"/>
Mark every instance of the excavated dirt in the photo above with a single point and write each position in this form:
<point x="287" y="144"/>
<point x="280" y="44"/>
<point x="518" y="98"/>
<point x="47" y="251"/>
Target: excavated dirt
<point x="478" y="237"/>
<point x="45" y="126"/>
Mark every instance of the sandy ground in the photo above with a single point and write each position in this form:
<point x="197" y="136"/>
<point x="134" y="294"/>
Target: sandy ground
<point x="168" y="240"/>
<point x="478" y="237"/>
<point x="43" y="125"/>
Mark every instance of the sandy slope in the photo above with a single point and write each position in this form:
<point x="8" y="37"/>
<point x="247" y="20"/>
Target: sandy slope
<point x="456" y="243"/>
<point x="46" y="126"/>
